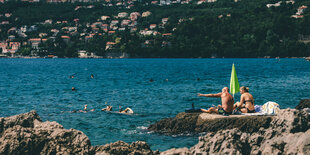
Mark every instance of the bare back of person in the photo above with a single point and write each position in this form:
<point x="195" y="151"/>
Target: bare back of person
<point x="248" y="100"/>
<point x="227" y="102"/>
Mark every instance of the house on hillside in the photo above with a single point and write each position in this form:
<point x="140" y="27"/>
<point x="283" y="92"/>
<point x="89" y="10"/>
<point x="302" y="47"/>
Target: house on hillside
<point x="166" y="34"/>
<point x="66" y="39"/>
<point x="3" y="47"/>
<point x="274" y="5"/>
<point x="48" y="21"/>
<point x="111" y="32"/>
<point x="153" y="26"/>
<point x="35" y="42"/>
<point x="12" y="30"/>
<point x="164" y="20"/>
<point x="125" y="22"/>
<point x="104" y="26"/>
<point x="122" y="14"/>
<point x="146" y="32"/>
<point x="134" y="16"/>
<point x="105" y="17"/>
<point x="146" y="14"/>
<point x="8" y="15"/>
<point x="114" y="22"/>
<point x="301" y="10"/>
<point x="110" y="45"/>
<point x="11" y="37"/>
<point x="154" y="2"/>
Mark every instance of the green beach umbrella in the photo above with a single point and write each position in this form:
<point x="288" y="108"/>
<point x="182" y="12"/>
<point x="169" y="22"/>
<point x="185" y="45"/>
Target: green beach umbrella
<point x="234" y="84"/>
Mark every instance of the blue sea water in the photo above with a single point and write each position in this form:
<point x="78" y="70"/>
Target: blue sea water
<point x="44" y="85"/>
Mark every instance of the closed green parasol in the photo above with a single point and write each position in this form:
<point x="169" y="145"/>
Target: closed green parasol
<point x="234" y="84"/>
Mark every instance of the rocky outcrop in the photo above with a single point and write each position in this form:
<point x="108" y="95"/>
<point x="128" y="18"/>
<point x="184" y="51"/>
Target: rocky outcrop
<point x="203" y="122"/>
<point x="122" y="148"/>
<point x="303" y="104"/>
<point x="26" y="134"/>
<point x="287" y="133"/>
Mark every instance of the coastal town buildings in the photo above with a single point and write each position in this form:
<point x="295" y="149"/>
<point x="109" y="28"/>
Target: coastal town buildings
<point x="105" y="26"/>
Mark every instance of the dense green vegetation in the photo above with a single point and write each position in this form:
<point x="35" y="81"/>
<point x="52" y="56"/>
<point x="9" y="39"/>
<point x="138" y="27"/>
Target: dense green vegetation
<point x="221" y="29"/>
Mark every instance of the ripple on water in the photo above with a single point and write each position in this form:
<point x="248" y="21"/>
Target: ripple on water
<point x="44" y="85"/>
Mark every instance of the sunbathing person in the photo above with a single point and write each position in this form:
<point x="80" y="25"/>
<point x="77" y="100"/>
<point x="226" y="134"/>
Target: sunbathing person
<point x="227" y="102"/>
<point x="246" y="104"/>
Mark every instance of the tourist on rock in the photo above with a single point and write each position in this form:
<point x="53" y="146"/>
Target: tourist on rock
<point x="227" y="102"/>
<point x="246" y="104"/>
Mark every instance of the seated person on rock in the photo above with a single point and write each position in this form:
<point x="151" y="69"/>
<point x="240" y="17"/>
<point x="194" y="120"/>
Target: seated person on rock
<point x="246" y="104"/>
<point x="227" y="102"/>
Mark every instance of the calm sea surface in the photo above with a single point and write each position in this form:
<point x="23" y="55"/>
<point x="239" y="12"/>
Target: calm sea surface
<point x="44" y="85"/>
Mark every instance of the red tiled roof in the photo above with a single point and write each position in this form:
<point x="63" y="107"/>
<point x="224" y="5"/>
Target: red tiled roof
<point x="65" y="37"/>
<point x="167" y="34"/>
<point x="111" y="43"/>
<point x="35" y="39"/>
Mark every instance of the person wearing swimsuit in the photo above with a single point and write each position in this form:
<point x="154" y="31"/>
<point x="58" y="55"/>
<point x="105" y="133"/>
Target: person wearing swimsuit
<point x="227" y="102"/>
<point x="246" y="104"/>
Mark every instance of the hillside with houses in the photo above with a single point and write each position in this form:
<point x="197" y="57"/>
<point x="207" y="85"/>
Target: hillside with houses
<point x="163" y="28"/>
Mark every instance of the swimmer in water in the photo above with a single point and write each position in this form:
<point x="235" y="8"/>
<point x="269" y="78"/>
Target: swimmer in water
<point x="92" y="76"/>
<point x="108" y="108"/>
<point x="123" y="111"/>
<point x="73" y="89"/>
<point x="85" y="108"/>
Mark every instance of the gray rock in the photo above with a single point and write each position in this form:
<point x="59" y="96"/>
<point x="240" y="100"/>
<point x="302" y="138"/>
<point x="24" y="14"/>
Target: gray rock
<point x="288" y="133"/>
<point x="27" y="134"/>
<point x="303" y="104"/>
<point x="203" y="122"/>
<point x="122" y="148"/>
<point x="174" y="151"/>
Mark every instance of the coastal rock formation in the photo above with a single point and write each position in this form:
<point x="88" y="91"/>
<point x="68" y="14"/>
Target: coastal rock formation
<point x="305" y="103"/>
<point x="287" y="133"/>
<point x="122" y="148"/>
<point x="26" y="134"/>
<point x="204" y="122"/>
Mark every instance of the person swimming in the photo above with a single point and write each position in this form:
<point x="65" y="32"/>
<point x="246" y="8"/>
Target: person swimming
<point x="85" y="108"/>
<point x="127" y="110"/>
<point x="91" y="76"/>
<point x="108" y="108"/>
<point x="73" y="89"/>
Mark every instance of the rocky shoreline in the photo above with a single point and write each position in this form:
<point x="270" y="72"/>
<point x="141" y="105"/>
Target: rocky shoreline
<point x="26" y="134"/>
<point x="203" y="122"/>
<point x="286" y="133"/>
